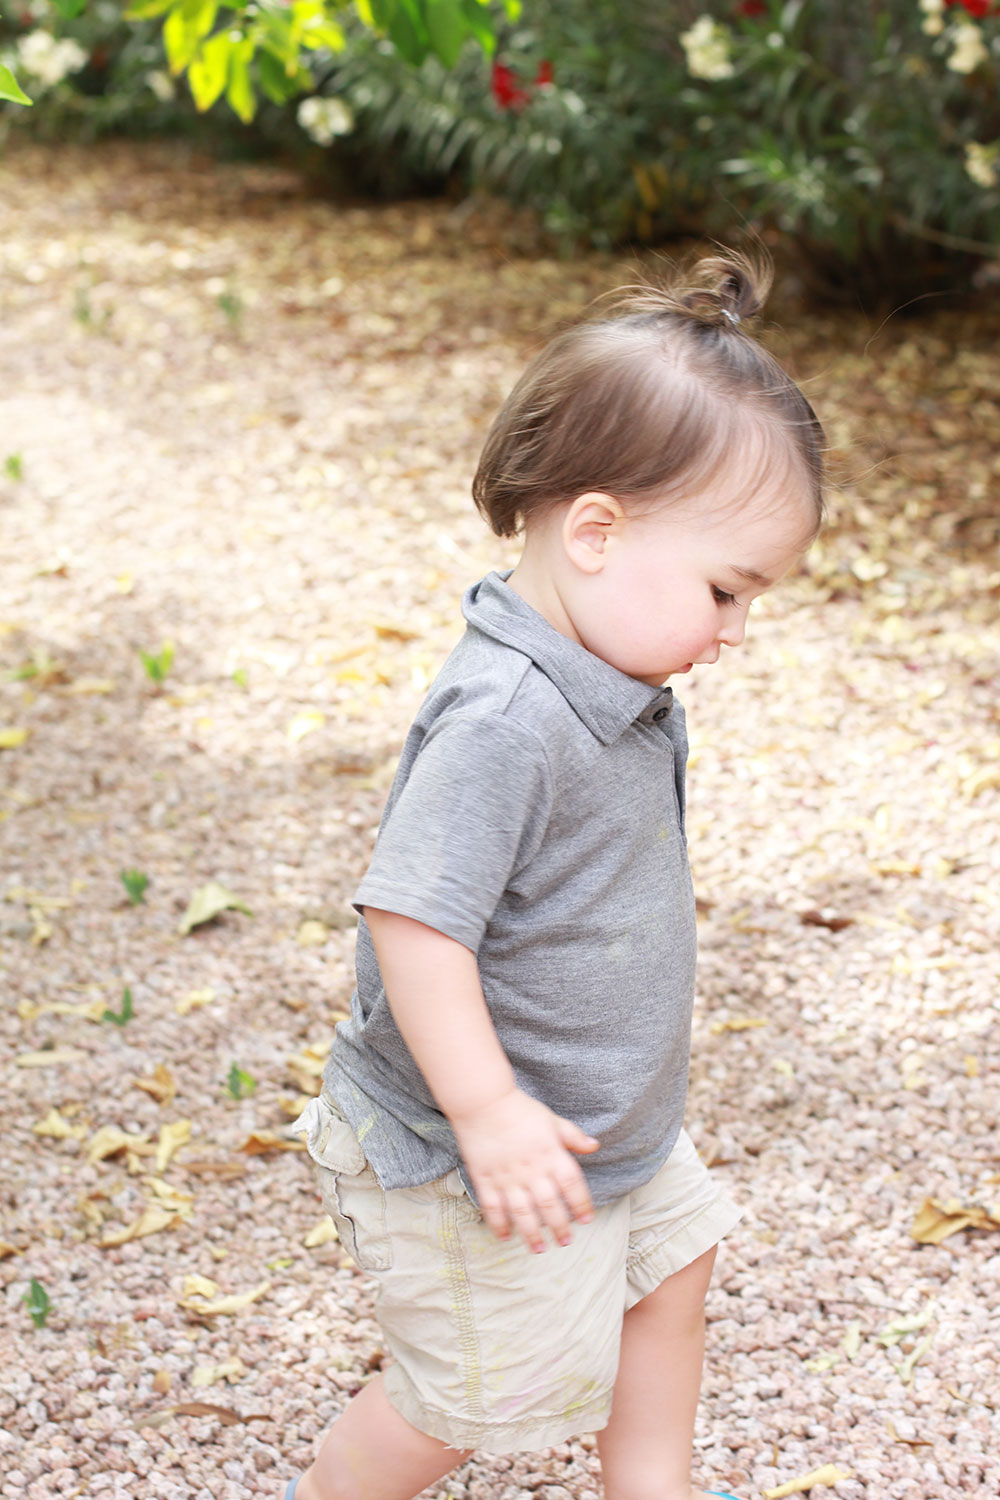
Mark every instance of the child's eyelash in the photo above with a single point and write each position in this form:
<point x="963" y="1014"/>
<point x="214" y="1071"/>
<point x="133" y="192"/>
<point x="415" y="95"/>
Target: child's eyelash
<point x="721" y="597"/>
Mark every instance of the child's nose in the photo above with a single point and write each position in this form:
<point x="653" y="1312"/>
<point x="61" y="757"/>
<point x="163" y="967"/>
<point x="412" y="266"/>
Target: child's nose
<point x="734" y="630"/>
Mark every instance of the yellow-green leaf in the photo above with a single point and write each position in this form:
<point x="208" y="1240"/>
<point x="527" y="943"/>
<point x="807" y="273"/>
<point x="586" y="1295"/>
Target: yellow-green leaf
<point x="11" y="739"/>
<point x="209" y="70"/>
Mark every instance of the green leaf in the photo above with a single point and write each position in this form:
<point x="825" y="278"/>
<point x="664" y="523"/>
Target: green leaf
<point x="279" y="86"/>
<point x="70" y="8"/>
<point x="239" y="90"/>
<point x="10" y="88"/>
<point x="184" y="28"/>
<point x="447" y="29"/>
<point x="209" y="70"/>
<point x="38" y="1304"/>
<point x="124" y="1016"/>
<point x="239" y="1083"/>
<point x="135" y="883"/>
<point x="407" y="32"/>
<point x="478" y="24"/>
<point x="145" y="10"/>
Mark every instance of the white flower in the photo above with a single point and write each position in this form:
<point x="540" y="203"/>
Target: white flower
<point x="162" y="85"/>
<point x="969" y="50"/>
<point x="982" y="163"/>
<point x="48" y="60"/>
<point x="707" y="46"/>
<point x="322" y="119"/>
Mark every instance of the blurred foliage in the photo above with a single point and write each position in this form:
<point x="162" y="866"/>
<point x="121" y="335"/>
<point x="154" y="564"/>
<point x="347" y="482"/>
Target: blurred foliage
<point x="866" y="135"/>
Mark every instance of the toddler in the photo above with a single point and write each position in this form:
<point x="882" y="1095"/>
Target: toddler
<point x="512" y="1078"/>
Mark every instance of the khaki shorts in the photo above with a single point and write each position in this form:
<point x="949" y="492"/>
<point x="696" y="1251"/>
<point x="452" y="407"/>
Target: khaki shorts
<point x="497" y="1348"/>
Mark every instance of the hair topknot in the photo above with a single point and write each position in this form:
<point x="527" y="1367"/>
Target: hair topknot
<point x="649" y="398"/>
<point x="719" y="291"/>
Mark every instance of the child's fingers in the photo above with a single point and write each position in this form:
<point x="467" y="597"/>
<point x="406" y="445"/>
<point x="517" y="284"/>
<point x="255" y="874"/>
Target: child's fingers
<point x="574" y="1138"/>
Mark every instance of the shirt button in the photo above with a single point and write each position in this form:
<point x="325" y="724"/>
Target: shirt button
<point x="661" y="713"/>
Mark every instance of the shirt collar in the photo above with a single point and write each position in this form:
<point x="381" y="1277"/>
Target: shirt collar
<point x="606" y="700"/>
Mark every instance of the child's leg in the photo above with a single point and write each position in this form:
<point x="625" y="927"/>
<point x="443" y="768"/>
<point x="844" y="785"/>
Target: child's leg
<point x="646" y="1447"/>
<point x="372" y="1453"/>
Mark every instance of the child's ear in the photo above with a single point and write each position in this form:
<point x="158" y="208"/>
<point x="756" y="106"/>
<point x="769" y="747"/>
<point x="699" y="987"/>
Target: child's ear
<point x="588" y="526"/>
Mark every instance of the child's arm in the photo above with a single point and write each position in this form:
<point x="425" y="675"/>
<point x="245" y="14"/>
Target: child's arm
<point x="516" y="1149"/>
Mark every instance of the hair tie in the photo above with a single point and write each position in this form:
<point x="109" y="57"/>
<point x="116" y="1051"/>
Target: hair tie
<point x="734" y="318"/>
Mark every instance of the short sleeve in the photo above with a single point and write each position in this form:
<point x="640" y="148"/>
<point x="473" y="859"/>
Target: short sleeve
<point x="472" y="811"/>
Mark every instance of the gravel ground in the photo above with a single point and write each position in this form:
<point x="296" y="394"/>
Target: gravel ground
<point x="245" y="421"/>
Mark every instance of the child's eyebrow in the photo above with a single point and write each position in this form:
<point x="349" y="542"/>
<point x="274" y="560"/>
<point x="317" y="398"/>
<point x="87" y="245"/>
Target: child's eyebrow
<point x="752" y="576"/>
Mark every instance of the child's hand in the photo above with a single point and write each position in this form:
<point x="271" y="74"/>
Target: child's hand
<point x="518" y="1155"/>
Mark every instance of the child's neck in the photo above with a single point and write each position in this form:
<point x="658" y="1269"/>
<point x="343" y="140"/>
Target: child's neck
<point x="535" y="582"/>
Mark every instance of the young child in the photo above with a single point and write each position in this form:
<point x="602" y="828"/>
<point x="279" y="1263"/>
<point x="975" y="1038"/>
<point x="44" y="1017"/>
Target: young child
<point x="512" y="1078"/>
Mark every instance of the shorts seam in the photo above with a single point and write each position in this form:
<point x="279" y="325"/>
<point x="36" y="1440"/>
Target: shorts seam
<point x="462" y="1305"/>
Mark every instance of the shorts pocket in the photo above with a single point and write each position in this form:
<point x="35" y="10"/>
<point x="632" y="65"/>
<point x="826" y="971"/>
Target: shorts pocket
<point x="352" y="1195"/>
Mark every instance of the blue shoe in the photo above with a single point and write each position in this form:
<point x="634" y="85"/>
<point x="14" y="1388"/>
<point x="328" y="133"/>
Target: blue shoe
<point x="290" y="1492"/>
<point x="720" y="1493"/>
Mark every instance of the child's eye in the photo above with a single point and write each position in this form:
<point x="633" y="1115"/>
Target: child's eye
<point x="721" y="597"/>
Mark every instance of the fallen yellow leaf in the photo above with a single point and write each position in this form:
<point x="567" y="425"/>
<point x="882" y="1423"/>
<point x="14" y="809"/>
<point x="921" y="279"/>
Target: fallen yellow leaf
<point x="160" y="1086"/>
<point x="312" y="934"/>
<point x="230" y="1369"/>
<point x="208" y="902"/>
<point x="199" y="1286"/>
<point x="305" y="723"/>
<point x="161" y="1382"/>
<point x="170" y="1197"/>
<point x="12" y="739"/>
<point x="52" y="1057"/>
<point x="86" y="685"/>
<point x="6" y="1249"/>
<point x="258" y="1142"/>
<point x="935" y="1220"/>
<point x="150" y="1221"/>
<point x="737" y="1023"/>
<point x="194" y="1000"/>
<point x="828" y="1474"/>
<point x="172" y="1138"/>
<point x="57" y="1128"/>
<point x="109" y="1140"/>
<point x="224" y="1305"/>
<point x="321" y="1234"/>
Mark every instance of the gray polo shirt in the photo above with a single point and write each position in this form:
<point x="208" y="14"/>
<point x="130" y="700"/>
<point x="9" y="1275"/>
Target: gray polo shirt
<point x="537" y="817"/>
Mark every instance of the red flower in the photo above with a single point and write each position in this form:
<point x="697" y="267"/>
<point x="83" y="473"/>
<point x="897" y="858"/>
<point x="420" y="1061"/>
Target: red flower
<point x="752" y="8"/>
<point x="505" y="88"/>
<point x="978" y="9"/>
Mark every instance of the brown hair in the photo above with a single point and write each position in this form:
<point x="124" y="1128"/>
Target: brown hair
<point x="647" y="401"/>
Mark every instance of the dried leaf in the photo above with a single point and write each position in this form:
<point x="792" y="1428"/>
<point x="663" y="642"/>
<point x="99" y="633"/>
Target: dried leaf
<point x="160" y="1086"/>
<point x="12" y="739"/>
<point x="230" y="1370"/>
<point x="828" y="1474"/>
<point x="170" y="1197"/>
<point x="906" y="1366"/>
<point x="898" y="1329"/>
<point x="88" y="685"/>
<point x="224" y="1305"/>
<point x="312" y="934"/>
<point x="321" y="1234"/>
<point x="161" y="1382"/>
<point x="816" y="918"/>
<point x="194" y="1000"/>
<point x="737" y="1023"/>
<point x="210" y="901"/>
<point x="225" y="1414"/>
<point x="305" y="723"/>
<point x="172" y="1138"/>
<point x="50" y="1057"/>
<point x="57" y="1128"/>
<point x="199" y="1286"/>
<point x="150" y="1221"/>
<point x="220" y="1169"/>
<point x="935" y="1220"/>
<point x="109" y="1140"/>
<point x="8" y="1249"/>
<point x="258" y="1142"/>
